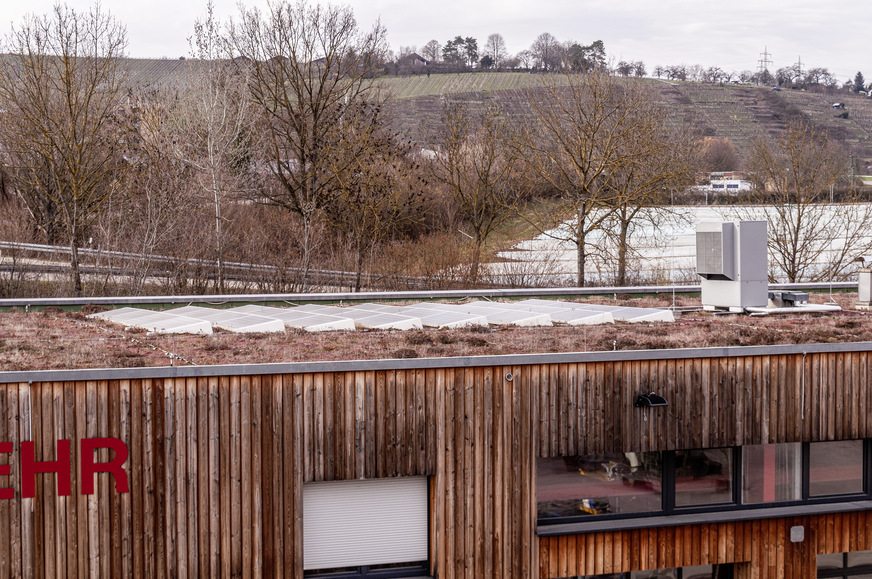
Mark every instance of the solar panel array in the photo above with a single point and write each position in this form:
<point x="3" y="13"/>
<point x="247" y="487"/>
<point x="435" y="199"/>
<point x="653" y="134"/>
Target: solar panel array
<point x="375" y="316"/>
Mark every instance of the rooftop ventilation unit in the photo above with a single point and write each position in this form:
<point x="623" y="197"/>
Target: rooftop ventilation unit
<point x="731" y="257"/>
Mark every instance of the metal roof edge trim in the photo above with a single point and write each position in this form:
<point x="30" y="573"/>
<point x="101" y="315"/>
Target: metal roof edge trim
<point x="159" y="372"/>
<point x="396" y="295"/>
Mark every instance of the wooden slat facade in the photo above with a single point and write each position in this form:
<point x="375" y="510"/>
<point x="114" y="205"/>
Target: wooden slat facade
<point x="218" y="457"/>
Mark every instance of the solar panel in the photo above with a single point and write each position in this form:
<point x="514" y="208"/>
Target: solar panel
<point x="623" y="313"/>
<point x="504" y="314"/>
<point x="368" y="318"/>
<point x="572" y="317"/>
<point x="314" y="318"/>
<point x="444" y="318"/>
<point x="229" y="320"/>
<point x="294" y="318"/>
<point x="155" y="321"/>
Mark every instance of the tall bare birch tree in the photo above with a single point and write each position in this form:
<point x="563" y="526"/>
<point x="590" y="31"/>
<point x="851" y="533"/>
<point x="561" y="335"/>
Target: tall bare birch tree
<point x="211" y="125"/>
<point x="307" y="61"/>
<point x="60" y="93"/>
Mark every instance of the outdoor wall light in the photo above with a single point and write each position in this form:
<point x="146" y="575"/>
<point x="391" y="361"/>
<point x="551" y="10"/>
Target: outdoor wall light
<point x="649" y="400"/>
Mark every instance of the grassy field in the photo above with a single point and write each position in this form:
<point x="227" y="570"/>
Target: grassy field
<point x="407" y="87"/>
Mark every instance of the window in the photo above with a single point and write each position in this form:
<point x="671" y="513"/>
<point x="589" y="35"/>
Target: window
<point x="856" y="565"/>
<point x="835" y="468"/>
<point x="597" y="484"/>
<point x="697" y="572"/>
<point x="703" y="477"/>
<point x="771" y="473"/>
<point x="640" y="484"/>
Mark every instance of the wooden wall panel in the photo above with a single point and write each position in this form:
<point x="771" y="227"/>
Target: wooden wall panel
<point x="713" y="402"/>
<point x="760" y="548"/>
<point x="216" y="464"/>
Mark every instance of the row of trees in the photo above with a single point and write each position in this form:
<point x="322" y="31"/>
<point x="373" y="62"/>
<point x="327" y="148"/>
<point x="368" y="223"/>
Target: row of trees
<point x="281" y="150"/>
<point x="546" y="54"/>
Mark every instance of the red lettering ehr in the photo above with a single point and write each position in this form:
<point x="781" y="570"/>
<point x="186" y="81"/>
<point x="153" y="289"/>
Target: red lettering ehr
<point x="61" y="466"/>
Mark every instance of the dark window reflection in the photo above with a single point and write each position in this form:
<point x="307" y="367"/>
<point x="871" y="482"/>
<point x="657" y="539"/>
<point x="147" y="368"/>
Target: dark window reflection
<point x="835" y="468"/>
<point x="703" y="477"/>
<point x="599" y="484"/>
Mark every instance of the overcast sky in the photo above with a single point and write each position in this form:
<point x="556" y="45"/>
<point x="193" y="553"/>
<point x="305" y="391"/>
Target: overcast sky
<point x="732" y="35"/>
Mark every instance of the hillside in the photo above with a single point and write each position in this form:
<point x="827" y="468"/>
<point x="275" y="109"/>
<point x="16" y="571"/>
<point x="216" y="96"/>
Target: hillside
<point x="738" y="112"/>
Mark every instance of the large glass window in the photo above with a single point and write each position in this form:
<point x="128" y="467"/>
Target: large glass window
<point x="703" y="477"/>
<point x="835" y="468"/>
<point x="599" y="484"/>
<point x="714" y="479"/>
<point x="771" y="473"/>
<point x="855" y="565"/>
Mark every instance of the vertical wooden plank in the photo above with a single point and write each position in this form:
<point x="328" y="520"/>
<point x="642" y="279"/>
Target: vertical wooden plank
<point x="180" y="482"/>
<point x="28" y="523"/>
<point x="478" y="466"/>
<point x="225" y="482"/>
<point x="276" y="491"/>
<point x="400" y="422"/>
<point x="235" y="479"/>
<point x="105" y="530"/>
<point x="245" y="468"/>
<point x="204" y="476"/>
<point x="318" y="434"/>
<point x="71" y="524"/>
<point x="369" y="418"/>
<point x="381" y="420"/>
<point x="46" y="487"/>
<point x="308" y="426"/>
<point x="268" y="436"/>
<point x="213" y="467"/>
<point x="469" y="468"/>
<point x="487" y="463"/>
<point x="125" y="504"/>
<point x="431" y="421"/>
<point x="296" y="483"/>
<point x="113" y="416"/>
<point x="499" y="482"/>
<point x="420" y="457"/>
<point x="574" y="432"/>
<point x="257" y="469"/>
<point x="359" y="425"/>
<point x="151" y="512"/>
<point x="55" y="502"/>
<point x="92" y="431"/>
<point x="439" y="519"/>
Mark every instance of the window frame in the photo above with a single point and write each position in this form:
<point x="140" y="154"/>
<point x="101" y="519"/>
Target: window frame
<point x="669" y="508"/>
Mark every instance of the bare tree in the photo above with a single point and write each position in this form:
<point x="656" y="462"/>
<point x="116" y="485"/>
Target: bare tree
<point x="376" y="194"/>
<point x="477" y="163"/>
<point x="495" y="48"/>
<point x="810" y="237"/>
<point x="307" y="63"/>
<point x="211" y="125"/>
<point x="546" y="51"/>
<point x="658" y="159"/>
<point x="60" y="92"/>
<point x="718" y="154"/>
<point x="577" y="139"/>
<point x="432" y="51"/>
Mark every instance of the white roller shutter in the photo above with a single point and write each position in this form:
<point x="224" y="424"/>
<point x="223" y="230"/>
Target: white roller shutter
<point x="364" y="522"/>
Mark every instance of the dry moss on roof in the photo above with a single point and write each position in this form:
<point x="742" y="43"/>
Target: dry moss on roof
<point x="54" y="339"/>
